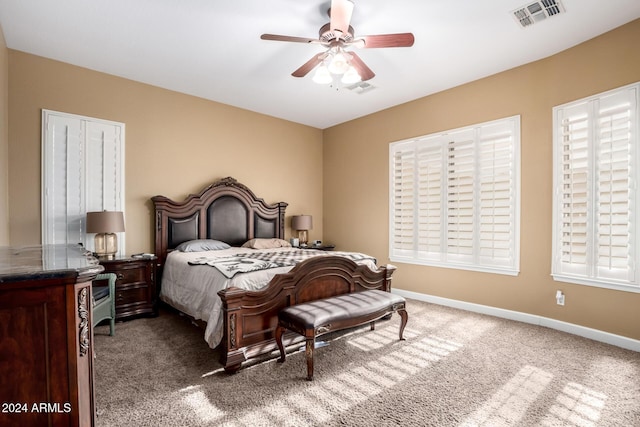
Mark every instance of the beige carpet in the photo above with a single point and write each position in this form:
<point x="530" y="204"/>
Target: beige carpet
<point x="455" y="369"/>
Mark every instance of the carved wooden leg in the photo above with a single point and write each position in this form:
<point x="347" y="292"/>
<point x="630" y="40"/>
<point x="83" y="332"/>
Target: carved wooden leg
<point x="311" y="343"/>
<point x="279" y="332"/>
<point x="403" y="314"/>
<point x="373" y="326"/>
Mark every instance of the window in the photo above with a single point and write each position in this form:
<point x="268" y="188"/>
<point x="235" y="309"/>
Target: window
<point x="82" y="171"/>
<point x="454" y="198"/>
<point x="596" y="175"/>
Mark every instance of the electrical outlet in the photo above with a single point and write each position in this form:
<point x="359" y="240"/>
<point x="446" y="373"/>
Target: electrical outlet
<point x="559" y="298"/>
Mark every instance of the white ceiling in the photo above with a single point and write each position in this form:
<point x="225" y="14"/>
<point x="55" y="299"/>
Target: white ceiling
<point x="212" y="48"/>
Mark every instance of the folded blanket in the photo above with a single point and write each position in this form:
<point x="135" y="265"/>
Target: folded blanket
<point x="245" y="263"/>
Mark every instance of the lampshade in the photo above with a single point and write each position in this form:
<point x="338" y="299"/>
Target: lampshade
<point x="105" y="222"/>
<point x="302" y="222"/>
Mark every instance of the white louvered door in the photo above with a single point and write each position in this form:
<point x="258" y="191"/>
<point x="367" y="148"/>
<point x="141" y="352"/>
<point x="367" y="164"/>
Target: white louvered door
<point x="82" y="171"/>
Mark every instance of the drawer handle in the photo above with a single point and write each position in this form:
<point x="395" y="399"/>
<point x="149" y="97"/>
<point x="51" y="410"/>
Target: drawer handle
<point x="120" y="276"/>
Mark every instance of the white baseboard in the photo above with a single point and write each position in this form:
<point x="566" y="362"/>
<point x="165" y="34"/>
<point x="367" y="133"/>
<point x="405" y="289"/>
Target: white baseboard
<point x="594" y="334"/>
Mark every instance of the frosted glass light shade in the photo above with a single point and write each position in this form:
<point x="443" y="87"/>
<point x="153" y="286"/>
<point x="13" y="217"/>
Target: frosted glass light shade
<point x="322" y="75"/>
<point x="338" y="64"/>
<point x="351" y="76"/>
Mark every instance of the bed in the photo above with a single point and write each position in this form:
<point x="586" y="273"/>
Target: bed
<point x="241" y="310"/>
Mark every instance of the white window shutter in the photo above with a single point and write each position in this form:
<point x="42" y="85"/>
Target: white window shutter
<point x="497" y="182"/>
<point x="461" y="172"/>
<point x="615" y="210"/>
<point x="430" y="186"/>
<point x="596" y="174"/>
<point x="575" y="189"/>
<point x="454" y="198"/>
<point x="403" y="204"/>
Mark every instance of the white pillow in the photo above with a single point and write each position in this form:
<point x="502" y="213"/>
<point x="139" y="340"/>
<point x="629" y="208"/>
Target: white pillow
<point x="201" y="245"/>
<point x="266" y="244"/>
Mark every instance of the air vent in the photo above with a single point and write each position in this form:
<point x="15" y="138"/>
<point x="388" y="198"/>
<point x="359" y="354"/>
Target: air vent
<point x="361" y="87"/>
<point x="537" y="11"/>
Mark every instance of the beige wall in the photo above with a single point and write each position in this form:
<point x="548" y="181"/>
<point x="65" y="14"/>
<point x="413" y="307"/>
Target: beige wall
<point x="356" y="180"/>
<point x="4" y="141"/>
<point x="175" y="145"/>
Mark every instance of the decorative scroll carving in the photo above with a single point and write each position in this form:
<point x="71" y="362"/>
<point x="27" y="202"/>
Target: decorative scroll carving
<point x="83" y="314"/>
<point x="232" y="330"/>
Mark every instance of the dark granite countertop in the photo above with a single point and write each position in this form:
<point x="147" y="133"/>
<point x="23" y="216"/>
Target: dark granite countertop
<point x="20" y="263"/>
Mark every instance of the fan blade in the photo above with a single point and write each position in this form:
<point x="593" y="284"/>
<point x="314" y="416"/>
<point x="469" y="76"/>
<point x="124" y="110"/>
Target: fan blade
<point x="279" y="38"/>
<point x="340" y="15"/>
<point x="362" y="69"/>
<point x="387" y="40"/>
<point x="308" y="66"/>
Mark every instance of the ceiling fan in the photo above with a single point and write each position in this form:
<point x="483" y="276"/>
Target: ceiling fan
<point x="337" y="35"/>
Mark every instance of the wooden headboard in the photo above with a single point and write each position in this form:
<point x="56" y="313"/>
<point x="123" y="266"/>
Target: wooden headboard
<point x="225" y="210"/>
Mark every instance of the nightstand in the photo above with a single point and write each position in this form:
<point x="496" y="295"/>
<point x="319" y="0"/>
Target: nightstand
<point x="135" y="285"/>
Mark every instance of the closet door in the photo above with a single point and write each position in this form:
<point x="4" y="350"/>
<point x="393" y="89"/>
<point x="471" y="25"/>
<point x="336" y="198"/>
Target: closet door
<point x="82" y="171"/>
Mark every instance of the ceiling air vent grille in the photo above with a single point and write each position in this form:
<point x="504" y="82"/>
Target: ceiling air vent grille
<point x="361" y="87"/>
<point x="537" y="11"/>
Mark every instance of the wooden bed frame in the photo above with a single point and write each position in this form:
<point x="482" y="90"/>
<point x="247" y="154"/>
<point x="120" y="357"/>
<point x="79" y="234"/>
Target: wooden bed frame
<point x="229" y="211"/>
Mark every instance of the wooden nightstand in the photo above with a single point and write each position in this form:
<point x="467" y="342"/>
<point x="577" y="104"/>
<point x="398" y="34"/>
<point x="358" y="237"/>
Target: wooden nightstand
<point x="135" y="285"/>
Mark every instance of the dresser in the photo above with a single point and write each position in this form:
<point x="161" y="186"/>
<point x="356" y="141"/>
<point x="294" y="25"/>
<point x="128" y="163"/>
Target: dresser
<point x="135" y="285"/>
<point x="46" y="337"/>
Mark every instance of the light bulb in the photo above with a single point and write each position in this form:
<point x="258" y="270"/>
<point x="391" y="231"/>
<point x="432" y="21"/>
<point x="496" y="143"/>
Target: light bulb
<point x="322" y="75"/>
<point x="351" y="76"/>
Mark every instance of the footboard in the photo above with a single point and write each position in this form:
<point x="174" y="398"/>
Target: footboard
<point x="251" y="317"/>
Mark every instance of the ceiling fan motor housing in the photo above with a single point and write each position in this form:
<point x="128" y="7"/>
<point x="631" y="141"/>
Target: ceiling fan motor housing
<point x="327" y="35"/>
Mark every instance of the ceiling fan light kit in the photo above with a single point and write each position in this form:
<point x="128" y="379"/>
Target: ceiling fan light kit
<point x="336" y="36"/>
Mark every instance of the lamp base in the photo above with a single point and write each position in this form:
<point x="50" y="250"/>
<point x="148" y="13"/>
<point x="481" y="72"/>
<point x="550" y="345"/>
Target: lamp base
<point x="106" y="245"/>
<point x="303" y="237"/>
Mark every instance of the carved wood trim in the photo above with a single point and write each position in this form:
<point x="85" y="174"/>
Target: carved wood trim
<point x="83" y="328"/>
<point x="232" y="331"/>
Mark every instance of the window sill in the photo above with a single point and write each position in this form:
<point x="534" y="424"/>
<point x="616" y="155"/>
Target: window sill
<point x="482" y="269"/>
<point x="596" y="283"/>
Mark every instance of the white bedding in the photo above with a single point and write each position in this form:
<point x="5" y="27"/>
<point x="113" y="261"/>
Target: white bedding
<point x="193" y="289"/>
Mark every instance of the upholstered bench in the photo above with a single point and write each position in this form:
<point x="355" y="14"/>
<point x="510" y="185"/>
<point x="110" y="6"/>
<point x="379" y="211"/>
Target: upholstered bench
<point x="315" y="318"/>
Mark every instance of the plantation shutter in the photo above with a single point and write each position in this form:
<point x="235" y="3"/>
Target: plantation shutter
<point x="430" y="171"/>
<point x="83" y="171"/>
<point x="615" y="211"/>
<point x="454" y="199"/>
<point x="461" y="171"/>
<point x="404" y="207"/>
<point x="497" y="193"/>
<point x="596" y="189"/>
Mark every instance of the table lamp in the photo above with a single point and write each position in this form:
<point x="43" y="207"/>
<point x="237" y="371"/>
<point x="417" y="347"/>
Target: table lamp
<point x="105" y="224"/>
<point x="302" y="223"/>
